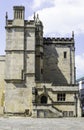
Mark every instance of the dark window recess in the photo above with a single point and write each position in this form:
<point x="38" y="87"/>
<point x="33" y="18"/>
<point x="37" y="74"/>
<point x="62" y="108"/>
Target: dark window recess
<point x="70" y="113"/>
<point x="61" y="97"/>
<point x="65" y="54"/>
<point x="65" y="113"/>
<point x="41" y="71"/>
<point x="41" y="54"/>
<point x="43" y="99"/>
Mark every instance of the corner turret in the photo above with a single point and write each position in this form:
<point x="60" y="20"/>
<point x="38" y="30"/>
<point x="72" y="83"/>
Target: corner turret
<point x="39" y="48"/>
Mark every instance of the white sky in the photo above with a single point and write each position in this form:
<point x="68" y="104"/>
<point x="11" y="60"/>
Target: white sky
<point x="59" y="17"/>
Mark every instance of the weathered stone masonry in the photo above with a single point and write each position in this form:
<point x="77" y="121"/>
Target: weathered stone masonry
<point x="39" y="74"/>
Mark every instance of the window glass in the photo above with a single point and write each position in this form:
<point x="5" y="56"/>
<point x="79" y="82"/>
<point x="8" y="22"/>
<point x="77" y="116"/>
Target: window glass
<point x="61" y="97"/>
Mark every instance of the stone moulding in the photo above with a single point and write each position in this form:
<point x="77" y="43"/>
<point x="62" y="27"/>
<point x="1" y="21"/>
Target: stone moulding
<point x="58" y="40"/>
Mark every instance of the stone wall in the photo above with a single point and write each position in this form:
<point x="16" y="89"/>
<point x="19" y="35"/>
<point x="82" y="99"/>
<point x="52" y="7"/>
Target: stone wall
<point x="20" y="67"/>
<point x="57" y="69"/>
<point x="2" y="83"/>
<point x="14" y="53"/>
<point x="68" y="107"/>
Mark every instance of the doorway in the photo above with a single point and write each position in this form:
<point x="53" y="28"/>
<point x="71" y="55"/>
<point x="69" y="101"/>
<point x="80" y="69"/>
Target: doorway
<point x="44" y="99"/>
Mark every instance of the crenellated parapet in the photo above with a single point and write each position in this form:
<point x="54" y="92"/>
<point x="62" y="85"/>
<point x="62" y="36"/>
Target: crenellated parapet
<point x="49" y="40"/>
<point x="26" y="22"/>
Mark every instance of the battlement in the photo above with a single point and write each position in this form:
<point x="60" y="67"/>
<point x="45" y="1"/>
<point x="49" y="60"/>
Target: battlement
<point x="19" y="7"/>
<point x="30" y="22"/>
<point x="58" y="40"/>
<point x="10" y="23"/>
<point x="2" y="58"/>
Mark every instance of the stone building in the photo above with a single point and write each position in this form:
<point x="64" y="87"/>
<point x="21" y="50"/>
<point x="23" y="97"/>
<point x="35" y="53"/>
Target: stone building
<point x="80" y="83"/>
<point x="39" y="75"/>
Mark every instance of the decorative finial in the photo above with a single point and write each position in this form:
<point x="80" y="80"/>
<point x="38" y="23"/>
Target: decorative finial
<point x="37" y="19"/>
<point x="6" y="17"/>
<point x="72" y="34"/>
<point x="34" y="17"/>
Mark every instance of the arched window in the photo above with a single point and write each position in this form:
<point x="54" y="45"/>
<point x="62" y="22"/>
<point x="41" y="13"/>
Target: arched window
<point x="43" y="99"/>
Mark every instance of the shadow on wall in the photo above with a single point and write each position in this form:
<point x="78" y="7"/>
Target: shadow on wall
<point x="52" y="73"/>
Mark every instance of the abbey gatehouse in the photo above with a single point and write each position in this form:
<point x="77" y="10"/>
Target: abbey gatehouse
<point x="37" y="74"/>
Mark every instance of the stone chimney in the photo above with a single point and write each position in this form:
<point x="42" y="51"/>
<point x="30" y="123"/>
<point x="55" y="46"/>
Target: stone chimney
<point x="18" y="12"/>
<point x="19" y="15"/>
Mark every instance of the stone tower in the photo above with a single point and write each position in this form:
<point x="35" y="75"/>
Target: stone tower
<point x="59" y="62"/>
<point x="39" y="71"/>
<point x="20" y="63"/>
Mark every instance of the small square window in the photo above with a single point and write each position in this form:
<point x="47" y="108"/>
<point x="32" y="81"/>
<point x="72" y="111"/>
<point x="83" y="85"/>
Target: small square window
<point x="65" y="54"/>
<point x="61" y="97"/>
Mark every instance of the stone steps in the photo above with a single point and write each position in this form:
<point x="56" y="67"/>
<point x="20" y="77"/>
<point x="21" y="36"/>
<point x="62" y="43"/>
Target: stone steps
<point x="47" y="111"/>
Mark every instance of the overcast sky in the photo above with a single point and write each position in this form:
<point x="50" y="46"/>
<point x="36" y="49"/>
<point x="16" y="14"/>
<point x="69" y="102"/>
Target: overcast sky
<point x="59" y="17"/>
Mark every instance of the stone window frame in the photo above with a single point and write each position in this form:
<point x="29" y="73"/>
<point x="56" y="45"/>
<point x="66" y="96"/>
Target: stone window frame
<point x="61" y="97"/>
<point x="65" y="54"/>
<point x="43" y="95"/>
<point x="68" y="113"/>
<point x="41" y="54"/>
<point x="41" y="70"/>
<point x="71" y="113"/>
<point x="64" y="113"/>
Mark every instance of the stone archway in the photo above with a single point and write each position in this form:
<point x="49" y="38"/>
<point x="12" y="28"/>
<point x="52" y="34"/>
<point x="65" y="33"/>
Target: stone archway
<point x="43" y="99"/>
